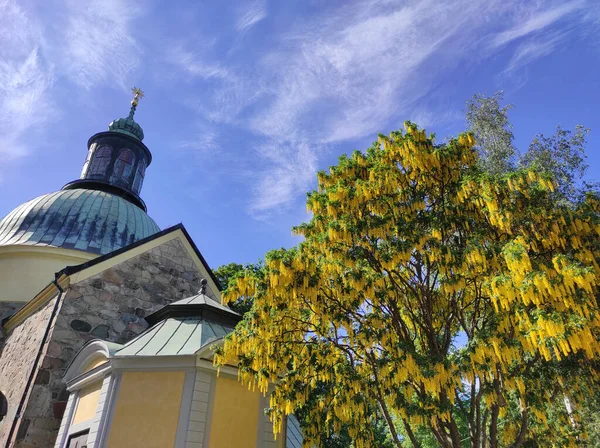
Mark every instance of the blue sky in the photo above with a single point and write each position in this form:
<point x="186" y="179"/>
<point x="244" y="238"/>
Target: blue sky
<point x="246" y="100"/>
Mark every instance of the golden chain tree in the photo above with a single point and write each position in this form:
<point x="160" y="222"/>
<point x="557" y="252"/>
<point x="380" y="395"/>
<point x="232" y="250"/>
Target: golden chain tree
<point x="453" y="302"/>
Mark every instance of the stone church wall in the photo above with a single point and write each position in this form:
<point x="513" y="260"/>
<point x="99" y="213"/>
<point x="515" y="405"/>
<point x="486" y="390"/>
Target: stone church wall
<point x="111" y="306"/>
<point x="7" y="309"/>
<point x="17" y="359"/>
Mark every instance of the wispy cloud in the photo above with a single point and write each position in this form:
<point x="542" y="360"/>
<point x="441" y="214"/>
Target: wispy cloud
<point x="289" y="168"/>
<point x="340" y="74"/>
<point x="353" y="70"/>
<point x="204" y="140"/>
<point x="250" y="15"/>
<point x="537" y="22"/>
<point x="88" y="44"/>
<point x="532" y="50"/>
<point x="193" y="64"/>
<point x="25" y="79"/>
<point x="97" y="45"/>
<point x="338" y="79"/>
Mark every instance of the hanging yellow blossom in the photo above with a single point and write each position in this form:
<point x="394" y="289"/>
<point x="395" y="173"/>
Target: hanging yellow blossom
<point x="423" y="289"/>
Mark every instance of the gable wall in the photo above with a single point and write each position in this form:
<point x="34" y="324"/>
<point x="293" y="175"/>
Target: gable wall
<point x="16" y="362"/>
<point x="110" y="305"/>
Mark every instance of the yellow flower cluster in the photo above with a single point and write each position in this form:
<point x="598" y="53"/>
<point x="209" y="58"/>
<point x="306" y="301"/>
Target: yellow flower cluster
<point x="408" y="247"/>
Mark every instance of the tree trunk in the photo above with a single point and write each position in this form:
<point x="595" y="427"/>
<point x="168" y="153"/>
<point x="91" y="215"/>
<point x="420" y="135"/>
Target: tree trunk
<point x="523" y="431"/>
<point x="440" y="436"/>
<point x="494" y="426"/>
<point x="454" y="434"/>
<point x="411" y="434"/>
<point x="484" y="429"/>
<point x="390" y="422"/>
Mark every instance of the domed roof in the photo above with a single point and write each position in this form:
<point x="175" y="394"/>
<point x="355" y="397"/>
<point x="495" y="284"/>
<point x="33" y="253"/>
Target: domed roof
<point x="87" y="220"/>
<point x="127" y="126"/>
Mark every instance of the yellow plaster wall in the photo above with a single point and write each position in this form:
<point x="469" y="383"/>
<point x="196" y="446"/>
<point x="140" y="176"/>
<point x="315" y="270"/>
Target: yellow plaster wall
<point x="147" y="410"/>
<point x="87" y="403"/>
<point x="25" y="271"/>
<point x="235" y="415"/>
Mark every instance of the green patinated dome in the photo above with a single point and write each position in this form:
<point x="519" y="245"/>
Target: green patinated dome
<point x="88" y="220"/>
<point x="127" y="126"/>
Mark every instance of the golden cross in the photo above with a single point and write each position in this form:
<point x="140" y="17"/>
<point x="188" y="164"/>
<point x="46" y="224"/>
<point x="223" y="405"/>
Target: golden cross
<point x="137" y="95"/>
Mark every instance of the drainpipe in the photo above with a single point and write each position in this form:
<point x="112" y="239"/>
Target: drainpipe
<point x="36" y="362"/>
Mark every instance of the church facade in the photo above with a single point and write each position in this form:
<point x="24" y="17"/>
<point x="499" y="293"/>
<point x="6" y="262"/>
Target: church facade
<point x="109" y="323"/>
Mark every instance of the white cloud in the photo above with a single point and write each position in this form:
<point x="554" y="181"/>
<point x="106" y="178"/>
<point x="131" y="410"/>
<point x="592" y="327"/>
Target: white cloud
<point x="532" y="50"/>
<point x="86" y="43"/>
<point x="344" y="73"/>
<point x="193" y="64"/>
<point x="346" y="78"/>
<point x="252" y="14"/>
<point x="350" y="71"/>
<point x="537" y="22"/>
<point x="290" y="168"/>
<point x="97" y="45"/>
<point x="25" y="79"/>
<point x="204" y="140"/>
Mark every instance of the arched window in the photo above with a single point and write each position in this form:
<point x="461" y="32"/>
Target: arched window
<point x="87" y="161"/>
<point x="139" y="176"/>
<point x="124" y="165"/>
<point x="100" y="161"/>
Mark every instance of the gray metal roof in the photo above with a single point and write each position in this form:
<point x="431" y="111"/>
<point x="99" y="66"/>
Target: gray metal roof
<point x="174" y="336"/>
<point x="87" y="220"/>
<point x="293" y="434"/>
<point x="203" y="299"/>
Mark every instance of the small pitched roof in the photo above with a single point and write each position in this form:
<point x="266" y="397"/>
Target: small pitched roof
<point x="183" y="327"/>
<point x="203" y="299"/>
<point x="198" y="306"/>
<point x="175" y="337"/>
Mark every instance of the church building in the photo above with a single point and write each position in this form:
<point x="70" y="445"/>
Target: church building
<point x="108" y="323"/>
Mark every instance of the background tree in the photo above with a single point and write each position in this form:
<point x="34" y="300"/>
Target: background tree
<point x="412" y="245"/>
<point x="488" y="120"/>
<point x="229" y="272"/>
<point x="561" y="156"/>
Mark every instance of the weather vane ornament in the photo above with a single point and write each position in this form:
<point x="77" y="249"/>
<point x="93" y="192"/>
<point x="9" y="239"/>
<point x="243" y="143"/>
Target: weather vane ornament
<point x="138" y="94"/>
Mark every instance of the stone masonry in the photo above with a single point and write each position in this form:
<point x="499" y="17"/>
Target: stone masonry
<point x="16" y="361"/>
<point x="111" y="306"/>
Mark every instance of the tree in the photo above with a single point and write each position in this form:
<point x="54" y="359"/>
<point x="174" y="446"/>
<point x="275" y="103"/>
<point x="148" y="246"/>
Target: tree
<point x="411" y="246"/>
<point x="330" y="438"/>
<point x="489" y="123"/>
<point x="229" y="272"/>
<point x="562" y="155"/>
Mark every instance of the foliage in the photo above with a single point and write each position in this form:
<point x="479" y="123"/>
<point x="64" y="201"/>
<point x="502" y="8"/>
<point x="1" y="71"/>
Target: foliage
<point x="591" y="418"/>
<point x="341" y="438"/>
<point x="228" y="272"/>
<point x="411" y="246"/>
<point x="489" y="123"/>
<point x="562" y="155"/>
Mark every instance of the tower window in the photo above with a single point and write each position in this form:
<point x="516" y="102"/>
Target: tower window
<point x="139" y="176"/>
<point x="100" y="161"/>
<point x="124" y="164"/>
<point x="87" y="161"/>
